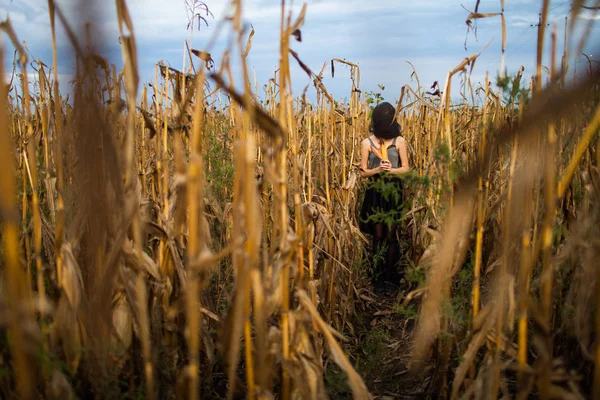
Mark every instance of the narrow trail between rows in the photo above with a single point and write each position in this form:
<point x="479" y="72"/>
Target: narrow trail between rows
<point x="384" y="346"/>
<point x="380" y="344"/>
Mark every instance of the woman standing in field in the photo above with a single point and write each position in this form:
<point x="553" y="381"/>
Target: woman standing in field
<point x="383" y="159"/>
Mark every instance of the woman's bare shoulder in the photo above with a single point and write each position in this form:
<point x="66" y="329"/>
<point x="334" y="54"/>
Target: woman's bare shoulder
<point x="366" y="142"/>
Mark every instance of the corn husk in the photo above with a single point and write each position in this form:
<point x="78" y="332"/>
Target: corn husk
<point x="384" y="151"/>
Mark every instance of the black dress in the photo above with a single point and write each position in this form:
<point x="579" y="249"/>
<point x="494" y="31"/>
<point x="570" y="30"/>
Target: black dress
<point x="383" y="197"/>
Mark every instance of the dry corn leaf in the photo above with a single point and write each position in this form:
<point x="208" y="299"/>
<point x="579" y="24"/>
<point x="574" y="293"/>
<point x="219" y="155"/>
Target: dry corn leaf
<point x="377" y="152"/>
<point x="122" y="320"/>
<point x="450" y="254"/>
<point x="59" y="387"/>
<point x="469" y="356"/>
<point x="204" y="56"/>
<point x="359" y="389"/>
<point x="248" y="43"/>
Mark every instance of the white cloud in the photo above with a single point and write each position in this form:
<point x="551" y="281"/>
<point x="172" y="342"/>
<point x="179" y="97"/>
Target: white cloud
<point x="379" y="35"/>
<point x="592" y="17"/>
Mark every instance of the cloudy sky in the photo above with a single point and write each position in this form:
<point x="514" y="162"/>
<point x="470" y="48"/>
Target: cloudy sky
<point x="379" y="35"/>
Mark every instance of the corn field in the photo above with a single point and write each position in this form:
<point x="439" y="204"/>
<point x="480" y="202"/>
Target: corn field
<point x="185" y="239"/>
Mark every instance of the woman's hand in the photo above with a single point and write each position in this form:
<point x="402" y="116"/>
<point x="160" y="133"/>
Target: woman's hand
<point x="385" y="165"/>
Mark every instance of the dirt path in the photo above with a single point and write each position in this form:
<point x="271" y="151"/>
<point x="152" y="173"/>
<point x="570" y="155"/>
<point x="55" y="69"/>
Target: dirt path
<point x="381" y="330"/>
<point x="380" y="350"/>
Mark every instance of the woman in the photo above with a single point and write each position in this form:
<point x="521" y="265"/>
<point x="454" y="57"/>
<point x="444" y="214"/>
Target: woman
<point x="383" y="198"/>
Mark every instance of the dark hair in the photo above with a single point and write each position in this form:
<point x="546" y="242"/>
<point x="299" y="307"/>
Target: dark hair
<point x="383" y="123"/>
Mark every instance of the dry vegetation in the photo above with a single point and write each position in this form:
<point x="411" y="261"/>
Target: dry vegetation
<point x="203" y="243"/>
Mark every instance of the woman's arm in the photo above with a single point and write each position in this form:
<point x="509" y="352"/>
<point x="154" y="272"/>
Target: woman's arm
<point x="402" y="151"/>
<point x="364" y="161"/>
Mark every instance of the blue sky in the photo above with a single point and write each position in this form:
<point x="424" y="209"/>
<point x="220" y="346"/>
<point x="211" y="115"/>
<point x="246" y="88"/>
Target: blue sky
<point x="379" y="35"/>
